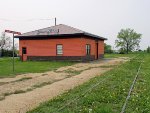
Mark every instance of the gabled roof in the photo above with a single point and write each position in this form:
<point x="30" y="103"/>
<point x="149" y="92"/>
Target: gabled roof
<point x="58" y="30"/>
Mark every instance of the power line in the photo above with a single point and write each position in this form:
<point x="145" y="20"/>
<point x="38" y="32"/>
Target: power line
<point x="3" y="19"/>
<point x="33" y="19"/>
<point x="40" y="19"/>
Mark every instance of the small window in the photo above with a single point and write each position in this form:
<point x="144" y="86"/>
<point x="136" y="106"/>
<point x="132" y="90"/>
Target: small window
<point x="88" y="49"/>
<point x="59" y="49"/>
<point x="24" y="50"/>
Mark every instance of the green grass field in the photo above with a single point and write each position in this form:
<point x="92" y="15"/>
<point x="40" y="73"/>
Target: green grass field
<point x="27" y="67"/>
<point x="110" y="93"/>
<point x="119" y="55"/>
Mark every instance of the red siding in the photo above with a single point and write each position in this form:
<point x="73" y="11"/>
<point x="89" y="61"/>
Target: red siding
<point x="101" y="47"/>
<point x="92" y="42"/>
<point x="88" y="41"/>
<point x="71" y="47"/>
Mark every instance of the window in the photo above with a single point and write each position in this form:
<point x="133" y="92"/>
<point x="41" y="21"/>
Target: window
<point x="24" y="51"/>
<point x="88" y="49"/>
<point x="59" y="49"/>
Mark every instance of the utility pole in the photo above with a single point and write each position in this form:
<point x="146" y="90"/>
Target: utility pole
<point x="13" y="54"/>
<point x="55" y="21"/>
<point x="13" y="32"/>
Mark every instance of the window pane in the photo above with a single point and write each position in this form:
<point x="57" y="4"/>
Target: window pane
<point x="59" y="46"/>
<point x="89" y="46"/>
<point x="59" y="53"/>
<point x="59" y="50"/>
<point x="88" y="49"/>
<point x="24" y="51"/>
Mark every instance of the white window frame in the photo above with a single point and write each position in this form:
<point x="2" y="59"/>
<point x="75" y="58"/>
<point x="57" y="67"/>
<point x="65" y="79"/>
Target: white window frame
<point x="59" y="49"/>
<point x="88" y="49"/>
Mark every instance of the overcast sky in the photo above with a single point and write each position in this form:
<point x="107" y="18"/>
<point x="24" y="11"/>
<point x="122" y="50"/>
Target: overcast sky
<point x="101" y="17"/>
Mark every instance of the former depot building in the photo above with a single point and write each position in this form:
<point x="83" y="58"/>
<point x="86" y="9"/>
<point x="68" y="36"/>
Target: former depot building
<point x="60" y="42"/>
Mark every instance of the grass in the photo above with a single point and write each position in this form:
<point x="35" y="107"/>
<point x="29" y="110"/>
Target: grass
<point x="2" y="83"/>
<point x="10" y="93"/>
<point x="2" y="98"/>
<point x="109" y="95"/>
<point x="19" y="91"/>
<point x="28" y="67"/>
<point x="140" y="99"/>
<point x="119" y="55"/>
<point x="42" y="84"/>
<point x="22" y="79"/>
<point x="19" y="80"/>
<point x="70" y="72"/>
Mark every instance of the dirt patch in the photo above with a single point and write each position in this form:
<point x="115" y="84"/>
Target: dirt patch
<point x="15" y="96"/>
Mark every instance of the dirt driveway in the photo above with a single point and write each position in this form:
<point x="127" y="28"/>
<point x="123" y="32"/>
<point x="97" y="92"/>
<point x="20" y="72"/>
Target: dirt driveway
<point x="27" y="91"/>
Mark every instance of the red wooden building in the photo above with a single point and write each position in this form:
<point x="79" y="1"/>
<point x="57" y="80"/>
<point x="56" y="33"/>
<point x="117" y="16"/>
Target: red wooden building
<point x="60" y="42"/>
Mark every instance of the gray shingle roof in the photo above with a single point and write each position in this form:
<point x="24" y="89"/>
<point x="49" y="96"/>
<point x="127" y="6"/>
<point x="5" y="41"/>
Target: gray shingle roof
<point x="59" y="30"/>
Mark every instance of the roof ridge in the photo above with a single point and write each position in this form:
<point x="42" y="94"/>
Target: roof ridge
<point x="42" y="28"/>
<point x="74" y="28"/>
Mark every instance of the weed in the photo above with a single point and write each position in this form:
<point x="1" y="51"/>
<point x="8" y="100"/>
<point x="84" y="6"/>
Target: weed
<point x="42" y="84"/>
<point x="2" y="83"/>
<point x="2" y="98"/>
<point x="22" y="79"/>
<point x="109" y="95"/>
<point x="19" y="91"/>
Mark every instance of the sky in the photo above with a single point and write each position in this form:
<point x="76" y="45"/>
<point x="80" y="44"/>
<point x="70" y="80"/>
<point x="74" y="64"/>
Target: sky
<point x="101" y="17"/>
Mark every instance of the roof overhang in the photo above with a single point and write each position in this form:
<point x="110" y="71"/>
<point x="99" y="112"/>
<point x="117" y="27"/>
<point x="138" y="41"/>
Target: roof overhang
<point x="59" y="35"/>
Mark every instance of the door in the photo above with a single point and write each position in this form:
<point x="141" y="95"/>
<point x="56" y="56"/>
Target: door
<point x="24" y="52"/>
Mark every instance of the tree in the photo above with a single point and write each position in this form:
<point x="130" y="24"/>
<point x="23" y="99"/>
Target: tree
<point x="148" y="49"/>
<point x="107" y="48"/>
<point x="128" y="40"/>
<point x="5" y="43"/>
